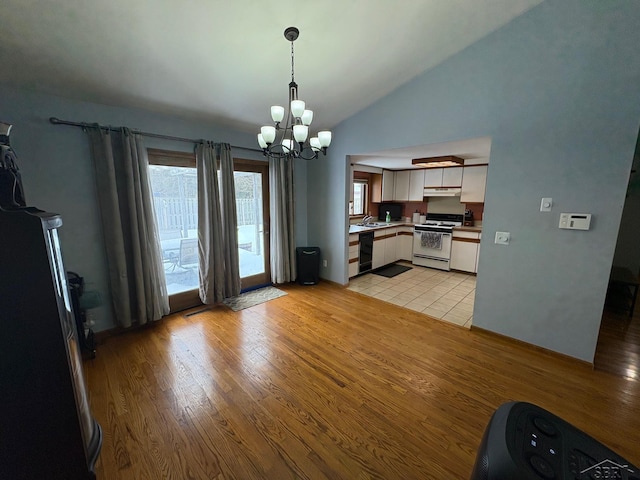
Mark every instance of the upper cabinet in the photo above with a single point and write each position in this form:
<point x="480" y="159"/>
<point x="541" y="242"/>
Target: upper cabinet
<point x="408" y="185"/>
<point x="401" y="193"/>
<point x="388" y="185"/>
<point x="433" y="177"/>
<point x="376" y="187"/>
<point x="443" y="177"/>
<point x="473" y="184"/>
<point x="416" y="185"/>
<point x="452" y="177"/>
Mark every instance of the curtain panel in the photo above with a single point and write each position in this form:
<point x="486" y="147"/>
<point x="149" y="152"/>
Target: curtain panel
<point x="282" y="212"/>
<point x="129" y="226"/>
<point x="217" y="224"/>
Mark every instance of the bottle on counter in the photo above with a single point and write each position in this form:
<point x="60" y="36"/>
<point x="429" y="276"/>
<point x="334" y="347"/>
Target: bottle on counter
<point x="388" y="218"/>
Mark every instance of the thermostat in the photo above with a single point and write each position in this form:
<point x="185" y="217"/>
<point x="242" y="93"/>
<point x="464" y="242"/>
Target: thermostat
<point x="575" y="221"/>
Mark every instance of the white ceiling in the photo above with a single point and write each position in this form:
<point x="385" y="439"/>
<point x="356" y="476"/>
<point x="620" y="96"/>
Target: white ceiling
<point x="228" y="61"/>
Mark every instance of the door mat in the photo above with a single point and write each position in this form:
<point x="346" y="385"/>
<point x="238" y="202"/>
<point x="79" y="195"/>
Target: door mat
<point x="392" y="270"/>
<point x="254" y="297"/>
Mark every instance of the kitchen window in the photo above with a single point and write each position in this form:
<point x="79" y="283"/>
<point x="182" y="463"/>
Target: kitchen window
<point x="360" y="197"/>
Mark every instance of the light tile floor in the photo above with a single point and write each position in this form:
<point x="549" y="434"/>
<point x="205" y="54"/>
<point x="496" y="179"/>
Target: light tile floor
<point x="444" y="295"/>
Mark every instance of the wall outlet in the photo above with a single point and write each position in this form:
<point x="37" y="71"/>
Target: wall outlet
<point x="546" y="204"/>
<point x="502" y="238"/>
<point x="324" y="263"/>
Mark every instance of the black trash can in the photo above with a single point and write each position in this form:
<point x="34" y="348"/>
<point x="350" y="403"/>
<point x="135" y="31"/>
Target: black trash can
<point x="308" y="264"/>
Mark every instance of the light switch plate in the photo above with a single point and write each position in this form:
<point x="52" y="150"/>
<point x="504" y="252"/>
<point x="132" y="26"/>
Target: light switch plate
<point x="545" y="204"/>
<point x="502" y="238"/>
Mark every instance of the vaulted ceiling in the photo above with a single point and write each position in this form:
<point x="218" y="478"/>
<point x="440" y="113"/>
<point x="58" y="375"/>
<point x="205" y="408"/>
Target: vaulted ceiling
<point x="228" y="61"/>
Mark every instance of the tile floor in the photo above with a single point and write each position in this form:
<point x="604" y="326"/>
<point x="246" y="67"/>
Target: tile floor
<point x="444" y="295"/>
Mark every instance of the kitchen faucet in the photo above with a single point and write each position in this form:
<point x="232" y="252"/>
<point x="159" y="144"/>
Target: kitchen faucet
<point x="366" y="220"/>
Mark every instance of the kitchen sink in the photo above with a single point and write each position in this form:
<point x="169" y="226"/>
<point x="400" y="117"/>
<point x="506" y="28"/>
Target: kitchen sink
<point x="370" y="224"/>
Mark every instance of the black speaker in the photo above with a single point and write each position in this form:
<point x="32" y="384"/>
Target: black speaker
<point x="526" y="442"/>
<point x="308" y="264"/>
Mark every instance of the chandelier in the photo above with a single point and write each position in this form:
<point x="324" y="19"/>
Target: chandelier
<point x="292" y="138"/>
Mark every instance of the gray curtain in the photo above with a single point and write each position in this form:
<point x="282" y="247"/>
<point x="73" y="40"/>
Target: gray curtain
<point x="281" y="205"/>
<point x="129" y="227"/>
<point x="229" y="221"/>
<point x="217" y="225"/>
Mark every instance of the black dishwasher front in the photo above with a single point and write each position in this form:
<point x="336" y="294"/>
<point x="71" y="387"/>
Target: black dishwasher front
<point x="366" y="251"/>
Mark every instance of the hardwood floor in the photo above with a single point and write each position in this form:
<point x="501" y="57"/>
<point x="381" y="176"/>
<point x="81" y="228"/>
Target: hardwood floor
<point x="327" y="383"/>
<point x="618" y="349"/>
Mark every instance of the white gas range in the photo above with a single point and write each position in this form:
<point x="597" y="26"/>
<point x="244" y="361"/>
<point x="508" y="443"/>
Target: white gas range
<point x="432" y="240"/>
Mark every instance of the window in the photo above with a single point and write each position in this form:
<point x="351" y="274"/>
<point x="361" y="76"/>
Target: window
<point x="359" y="197"/>
<point x="173" y="180"/>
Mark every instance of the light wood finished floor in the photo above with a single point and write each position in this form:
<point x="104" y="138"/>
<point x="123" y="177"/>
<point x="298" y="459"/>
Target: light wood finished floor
<point x="327" y="383"/>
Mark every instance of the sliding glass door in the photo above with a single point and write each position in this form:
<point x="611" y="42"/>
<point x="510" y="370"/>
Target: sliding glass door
<point x="174" y="186"/>
<point x="252" y="204"/>
<point x="173" y="179"/>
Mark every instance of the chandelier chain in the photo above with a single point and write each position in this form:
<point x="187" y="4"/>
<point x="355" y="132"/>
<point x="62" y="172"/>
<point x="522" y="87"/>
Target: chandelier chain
<point x="292" y="79"/>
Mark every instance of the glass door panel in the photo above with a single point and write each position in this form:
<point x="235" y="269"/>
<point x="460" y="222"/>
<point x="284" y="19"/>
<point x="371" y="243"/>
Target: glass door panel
<point x="252" y="196"/>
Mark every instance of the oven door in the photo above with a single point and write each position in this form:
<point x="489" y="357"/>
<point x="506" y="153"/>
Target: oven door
<point x="426" y="251"/>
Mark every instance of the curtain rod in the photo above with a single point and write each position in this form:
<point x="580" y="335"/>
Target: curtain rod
<point x="57" y="121"/>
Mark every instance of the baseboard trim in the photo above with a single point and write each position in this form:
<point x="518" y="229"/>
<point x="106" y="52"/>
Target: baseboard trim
<point x="545" y="351"/>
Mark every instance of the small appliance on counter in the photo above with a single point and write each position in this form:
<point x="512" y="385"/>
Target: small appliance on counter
<point x="394" y="209"/>
<point x="468" y="218"/>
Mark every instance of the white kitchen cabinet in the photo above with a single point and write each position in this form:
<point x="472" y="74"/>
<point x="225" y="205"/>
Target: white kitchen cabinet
<point x="474" y="183"/>
<point x="404" y="243"/>
<point x="401" y="188"/>
<point x="416" y="185"/>
<point x="388" y="185"/>
<point x="354" y="254"/>
<point x="452" y="177"/>
<point x="464" y="255"/>
<point x="443" y="177"/>
<point x="433" y="177"/>
<point x="464" y="251"/>
<point x="378" y="249"/>
<point x="390" y="246"/>
<point x="477" y="258"/>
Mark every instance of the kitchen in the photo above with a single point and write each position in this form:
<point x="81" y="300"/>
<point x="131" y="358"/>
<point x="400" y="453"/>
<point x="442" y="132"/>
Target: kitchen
<point x="426" y="211"/>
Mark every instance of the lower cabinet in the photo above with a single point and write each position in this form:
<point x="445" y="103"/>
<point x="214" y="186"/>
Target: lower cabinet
<point x="378" y="253"/>
<point x="354" y="254"/>
<point x="404" y="246"/>
<point x="464" y="251"/>
<point x="390" y="246"/>
<point x="384" y="247"/>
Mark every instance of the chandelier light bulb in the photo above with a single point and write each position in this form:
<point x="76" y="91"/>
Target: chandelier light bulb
<point x="307" y="117"/>
<point x="315" y="144"/>
<point x="287" y="145"/>
<point x="325" y="138"/>
<point x="297" y="108"/>
<point x="268" y="133"/>
<point x="261" y="141"/>
<point x="300" y="133"/>
<point x="277" y="113"/>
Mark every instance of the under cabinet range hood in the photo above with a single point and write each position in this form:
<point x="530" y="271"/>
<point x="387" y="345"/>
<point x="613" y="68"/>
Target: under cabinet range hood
<point x="442" y="192"/>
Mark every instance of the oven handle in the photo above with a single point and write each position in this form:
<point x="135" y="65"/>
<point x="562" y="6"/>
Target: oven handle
<point x="419" y="232"/>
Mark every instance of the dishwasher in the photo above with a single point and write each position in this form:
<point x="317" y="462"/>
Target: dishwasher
<point x="366" y="252"/>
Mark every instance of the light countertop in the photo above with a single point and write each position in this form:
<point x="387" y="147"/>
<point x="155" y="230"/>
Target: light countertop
<point x="358" y="229"/>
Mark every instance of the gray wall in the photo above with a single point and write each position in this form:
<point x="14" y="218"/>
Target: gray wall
<point x="557" y="90"/>
<point x="57" y="171"/>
